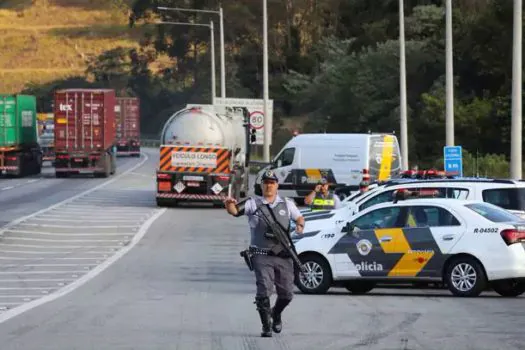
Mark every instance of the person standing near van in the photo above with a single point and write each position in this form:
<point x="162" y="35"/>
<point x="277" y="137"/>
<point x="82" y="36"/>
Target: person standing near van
<point x="321" y="198"/>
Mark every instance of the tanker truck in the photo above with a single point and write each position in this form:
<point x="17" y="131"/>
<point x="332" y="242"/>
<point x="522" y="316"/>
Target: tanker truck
<point x="204" y="155"/>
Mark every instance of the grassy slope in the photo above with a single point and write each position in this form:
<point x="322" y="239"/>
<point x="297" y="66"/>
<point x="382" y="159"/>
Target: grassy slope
<point x="45" y="40"/>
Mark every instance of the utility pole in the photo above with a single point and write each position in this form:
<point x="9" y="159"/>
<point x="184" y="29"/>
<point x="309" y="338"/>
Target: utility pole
<point x="516" y="122"/>
<point x="267" y="126"/>
<point x="449" y="76"/>
<point x="403" y="88"/>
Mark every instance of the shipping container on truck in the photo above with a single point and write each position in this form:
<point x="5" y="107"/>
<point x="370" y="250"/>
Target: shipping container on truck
<point x="85" y="132"/>
<point x="46" y="135"/>
<point x="20" y="153"/>
<point x="127" y="113"/>
<point x="203" y="156"/>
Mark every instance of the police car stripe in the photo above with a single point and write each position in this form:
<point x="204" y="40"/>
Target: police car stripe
<point x="305" y="235"/>
<point x="411" y="252"/>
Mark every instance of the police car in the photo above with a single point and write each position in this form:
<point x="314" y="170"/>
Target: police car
<point x="467" y="245"/>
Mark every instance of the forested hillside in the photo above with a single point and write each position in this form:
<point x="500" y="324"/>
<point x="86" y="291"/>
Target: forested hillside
<point x="334" y="64"/>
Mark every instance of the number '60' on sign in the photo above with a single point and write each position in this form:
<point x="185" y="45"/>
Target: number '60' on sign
<point x="256" y="120"/>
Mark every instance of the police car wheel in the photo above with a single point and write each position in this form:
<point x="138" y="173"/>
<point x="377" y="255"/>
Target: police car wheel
<point x="465" y="277"/>
<point x="509" y="288"/>
<point x="318" y="276"/>
<point x="359" y="287"/>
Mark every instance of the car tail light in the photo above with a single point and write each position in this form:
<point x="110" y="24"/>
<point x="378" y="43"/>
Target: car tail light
<point x="222" y="177"/>
<point x="512" y="236"/>
<point x="163" y="176"/>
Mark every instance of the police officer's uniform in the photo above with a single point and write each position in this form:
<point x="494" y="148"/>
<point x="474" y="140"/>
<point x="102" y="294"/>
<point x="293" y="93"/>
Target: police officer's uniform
<point x="271" y="269"/>
<point x="322" y="202"/>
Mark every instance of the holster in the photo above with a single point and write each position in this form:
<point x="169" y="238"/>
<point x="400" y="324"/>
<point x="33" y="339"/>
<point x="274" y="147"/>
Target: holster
<point x="247" y="258"/>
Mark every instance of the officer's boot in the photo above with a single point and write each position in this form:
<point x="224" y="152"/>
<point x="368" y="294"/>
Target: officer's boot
<point x="263" y="306"/>
<point x="278" y="308"/>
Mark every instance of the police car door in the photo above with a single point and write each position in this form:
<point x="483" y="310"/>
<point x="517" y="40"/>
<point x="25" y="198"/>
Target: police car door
<point x="359" y="252"/>
<point x="428" y="235"/>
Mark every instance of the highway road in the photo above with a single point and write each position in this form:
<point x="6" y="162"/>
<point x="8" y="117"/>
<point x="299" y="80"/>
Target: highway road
<point x="151" y="278"/>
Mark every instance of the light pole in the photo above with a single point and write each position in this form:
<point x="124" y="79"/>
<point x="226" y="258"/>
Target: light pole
<point x="449" y="76"/>
<point x="267" y="126"/>
<point x="516" y="121"/>
<point x="223" y="64"/>
<point x="403" y="88"/>
<point x="212" y="44"/>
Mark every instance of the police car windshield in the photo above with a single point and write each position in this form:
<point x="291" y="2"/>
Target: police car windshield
<point x="493" y="213"/>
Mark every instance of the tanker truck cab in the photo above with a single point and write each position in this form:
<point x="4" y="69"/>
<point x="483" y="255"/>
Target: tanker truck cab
<point x="343" y="159"/>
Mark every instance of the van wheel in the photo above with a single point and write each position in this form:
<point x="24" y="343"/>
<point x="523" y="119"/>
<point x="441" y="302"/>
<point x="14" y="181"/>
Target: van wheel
<point x="318" y="276"/>
<point x="465" y="277"/>
<point x="509" y="288"/>
<point x="359" y="287"/>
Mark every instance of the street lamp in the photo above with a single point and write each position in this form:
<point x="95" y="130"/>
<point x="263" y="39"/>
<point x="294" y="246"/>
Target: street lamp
<point x="449" y="122"/>
<point x="403" y="88"/>
<point x="267" y="126"/>
<point x="516" y="129"/>
<point x="223" y="67"/>
<point x="212" y="44"/>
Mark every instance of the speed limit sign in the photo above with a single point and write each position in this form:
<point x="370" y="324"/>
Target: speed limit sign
<point x="256" y="120"/>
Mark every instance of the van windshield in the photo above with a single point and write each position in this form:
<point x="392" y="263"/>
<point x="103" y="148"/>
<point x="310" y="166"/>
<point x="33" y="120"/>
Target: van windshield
<point x="507" y="198"/>
<point x="384" y="161"/>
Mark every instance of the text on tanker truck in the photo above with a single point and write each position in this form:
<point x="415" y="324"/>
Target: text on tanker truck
<point x="194" y="159"/>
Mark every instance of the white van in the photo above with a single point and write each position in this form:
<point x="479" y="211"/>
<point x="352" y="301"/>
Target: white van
<point x="341" y="158"/>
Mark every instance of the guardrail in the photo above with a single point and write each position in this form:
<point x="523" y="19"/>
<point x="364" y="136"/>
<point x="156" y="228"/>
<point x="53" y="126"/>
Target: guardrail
<point x="149" y="143"/>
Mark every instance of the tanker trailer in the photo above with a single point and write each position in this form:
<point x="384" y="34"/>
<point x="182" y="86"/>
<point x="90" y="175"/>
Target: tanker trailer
<point x="203" y="156"/>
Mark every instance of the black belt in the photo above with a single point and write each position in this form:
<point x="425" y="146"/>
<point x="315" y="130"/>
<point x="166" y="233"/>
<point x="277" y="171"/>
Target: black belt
<point x="266" y="251"/>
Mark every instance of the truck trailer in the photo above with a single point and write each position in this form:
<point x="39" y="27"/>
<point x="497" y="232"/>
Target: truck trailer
<point x="203" y="156"/>
<point x="127" y="113"/>
<point x="20" y="152"/>
<point x="85" y="132"/>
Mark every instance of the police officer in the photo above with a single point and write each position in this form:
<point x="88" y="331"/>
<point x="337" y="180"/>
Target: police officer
<point x="269" y="269"/>
<point x="321" y="198"/>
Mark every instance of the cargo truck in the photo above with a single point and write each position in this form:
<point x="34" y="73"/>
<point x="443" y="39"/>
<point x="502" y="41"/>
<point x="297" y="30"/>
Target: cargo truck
<point x="204" y="156"/>
<point x="85" y="132"/>
<point x="46" y="135"/>
<point x="20" y="153"/>
<point x="127" y="113"/>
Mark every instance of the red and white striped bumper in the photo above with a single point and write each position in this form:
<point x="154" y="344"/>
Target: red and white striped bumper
<point x="210" y="197"/>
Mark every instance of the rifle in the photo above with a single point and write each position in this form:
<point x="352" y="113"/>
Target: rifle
<point x="279" y="234"/>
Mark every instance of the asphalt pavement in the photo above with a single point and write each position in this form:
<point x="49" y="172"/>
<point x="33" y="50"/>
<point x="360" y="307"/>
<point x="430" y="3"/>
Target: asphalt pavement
<point x="181" y="284"/>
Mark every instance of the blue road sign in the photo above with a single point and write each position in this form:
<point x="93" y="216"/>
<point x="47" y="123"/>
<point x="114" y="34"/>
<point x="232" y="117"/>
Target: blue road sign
<point x="453" y="160"/>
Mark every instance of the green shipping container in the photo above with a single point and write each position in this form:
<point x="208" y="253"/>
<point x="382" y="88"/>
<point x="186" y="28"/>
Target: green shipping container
<point x="18" y="125"/>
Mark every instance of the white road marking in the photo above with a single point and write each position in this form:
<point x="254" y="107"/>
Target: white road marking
<point x="68" y="234"/>
<point x="69" y="200"/>
<point x="26" y="288"/>
<point x="39" y="272"/>
<point x="79" y="226"/>
<point x="41" y="252"/>
<point x="36" y="259"/>
<point x="7" y="188"/>
<point x="38" y="280"/>
<point x="57" y="246"/>
<point x="46" y="265"/>
<point x="60" y="240"/>
<point x="33" y="180"/>
<point x="85" y="278"/>
<point x="86" y="220"/>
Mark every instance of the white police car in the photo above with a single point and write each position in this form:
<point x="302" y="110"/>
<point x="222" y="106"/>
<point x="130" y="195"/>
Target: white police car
<point x="467" y="245"/>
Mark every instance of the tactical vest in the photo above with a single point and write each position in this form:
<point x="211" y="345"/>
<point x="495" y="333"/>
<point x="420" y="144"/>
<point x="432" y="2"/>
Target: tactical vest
<point x="281" y="214"/>
<point x="320" y="203"/>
